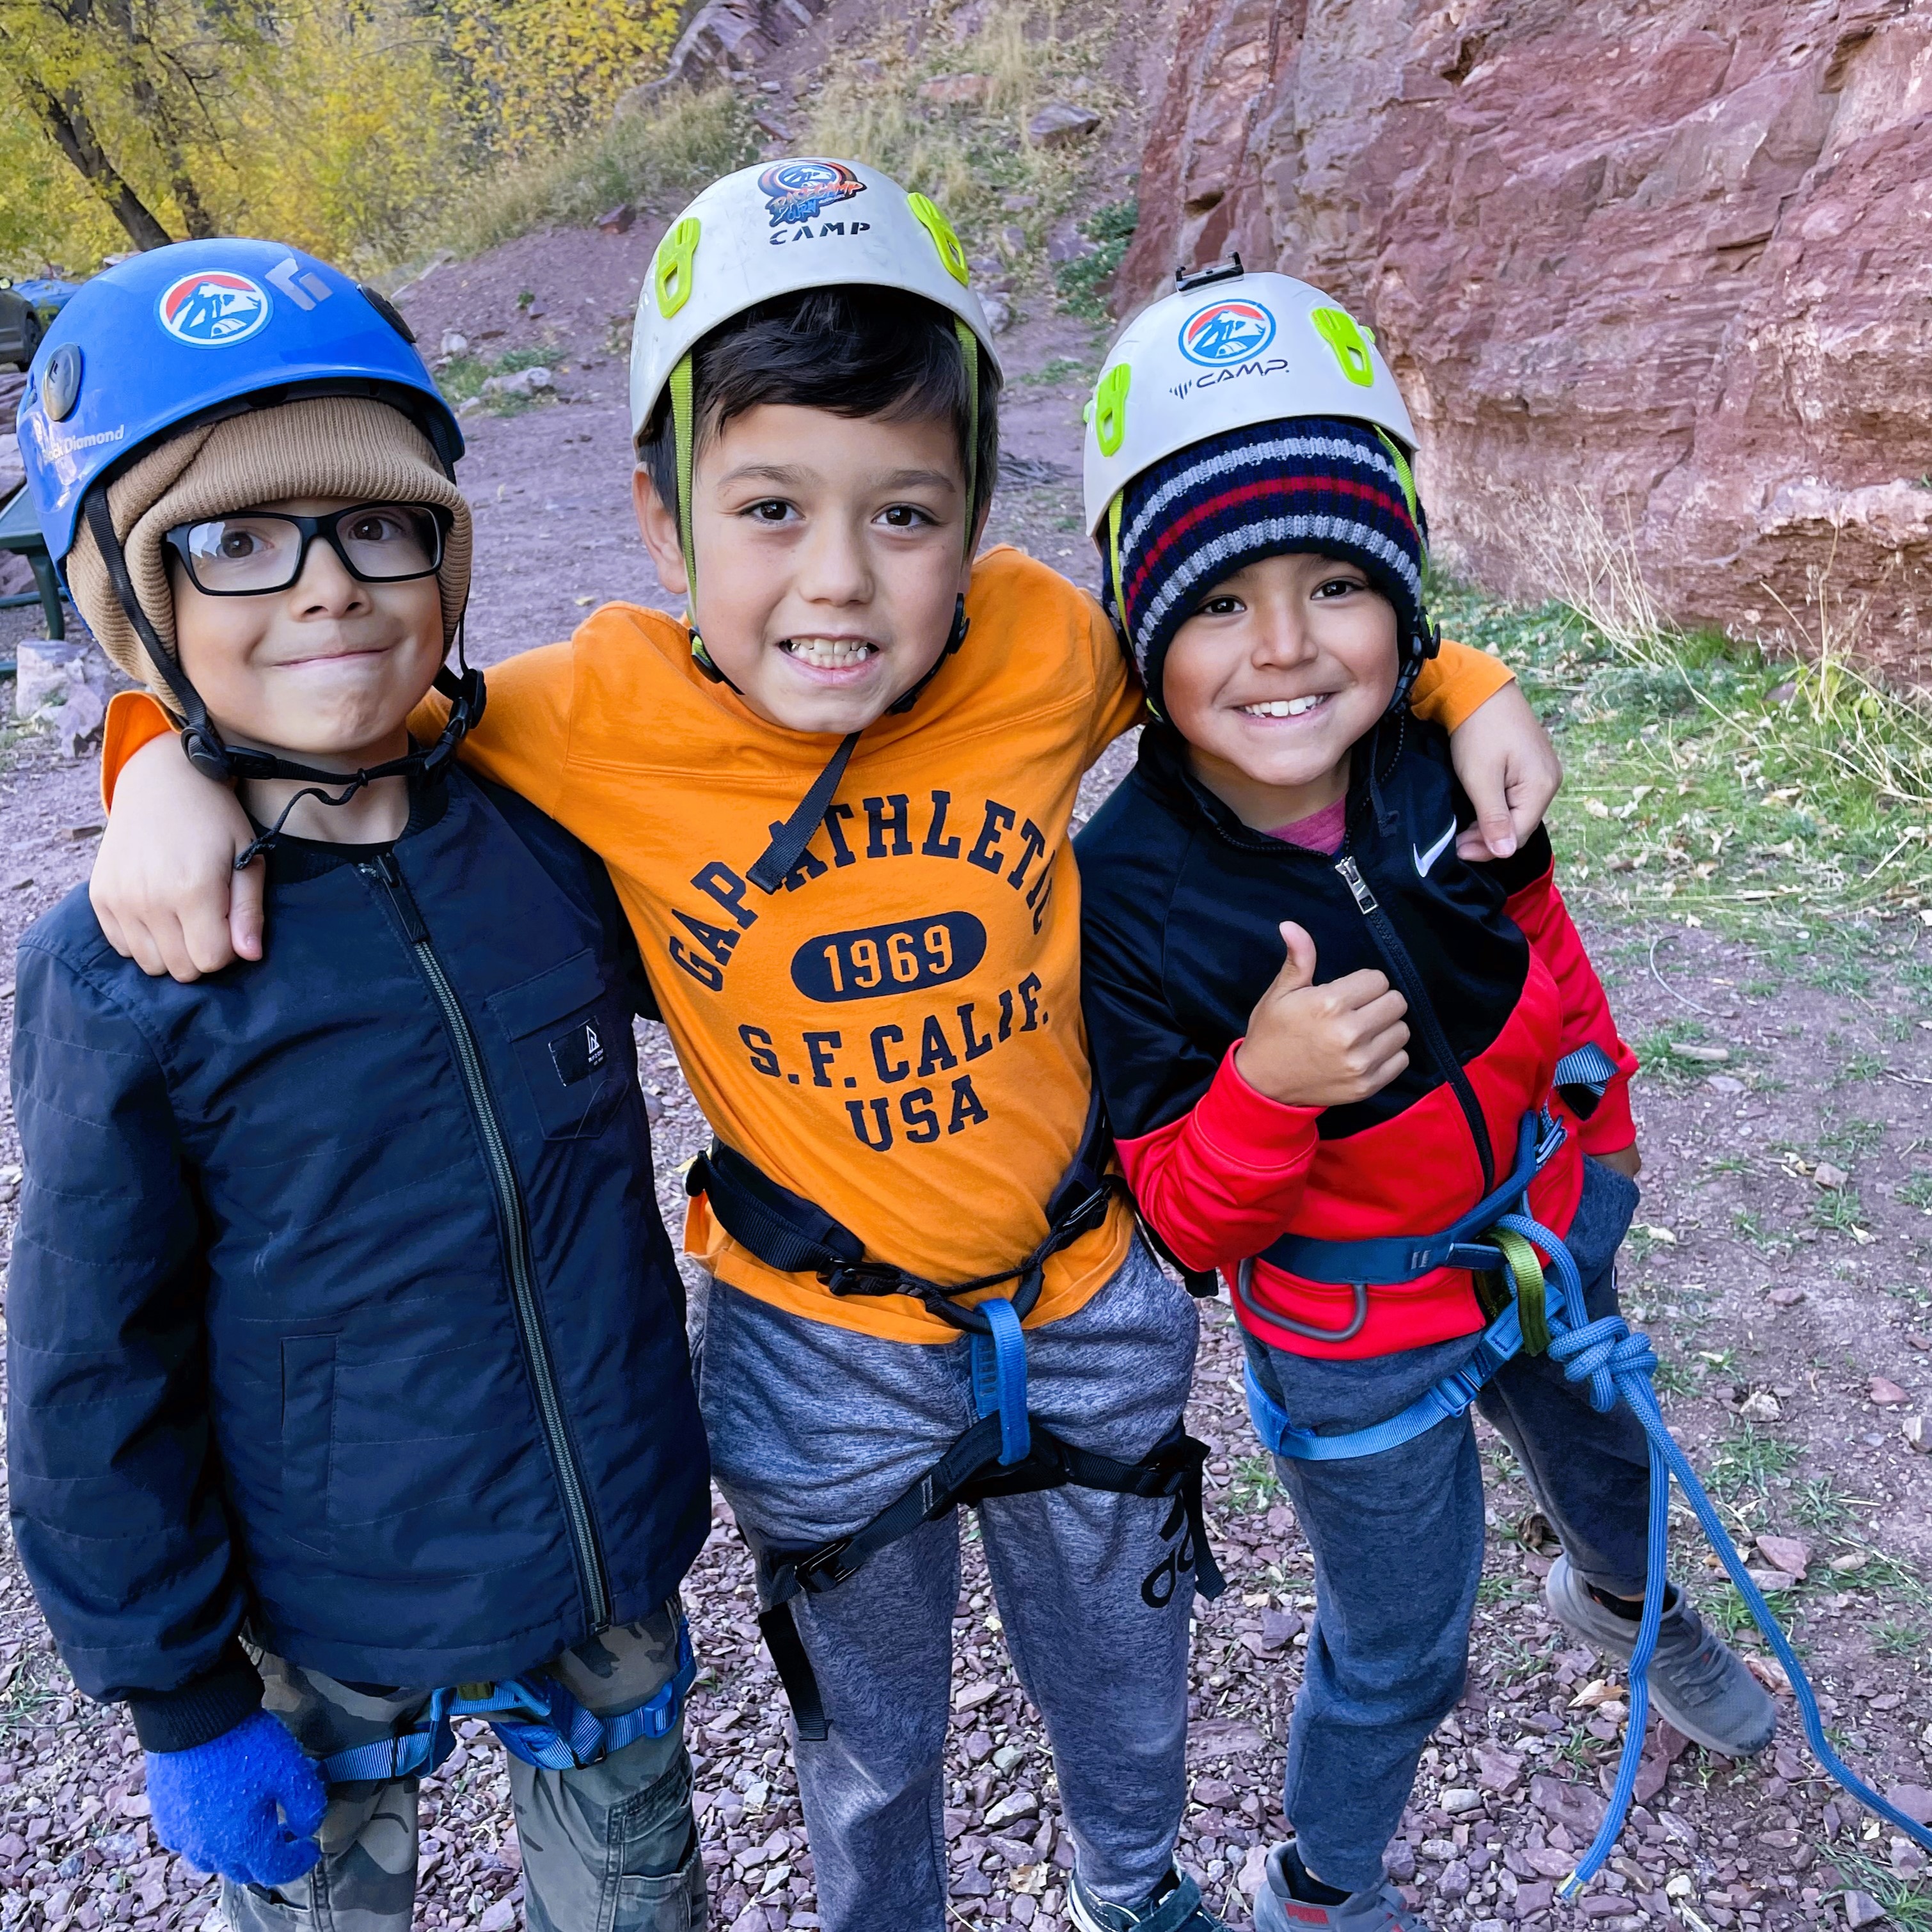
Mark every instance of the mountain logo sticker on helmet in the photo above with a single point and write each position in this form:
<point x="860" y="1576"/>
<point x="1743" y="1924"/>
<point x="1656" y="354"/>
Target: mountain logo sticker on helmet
<point x="214" y="307"/>
<point x="1226" y="331"/>
<point x="800" y="191"/>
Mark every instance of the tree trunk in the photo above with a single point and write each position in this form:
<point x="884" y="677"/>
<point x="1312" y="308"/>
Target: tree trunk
<point x="65" y="122"/>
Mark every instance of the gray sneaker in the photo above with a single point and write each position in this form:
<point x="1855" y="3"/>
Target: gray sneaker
<point x="1697" y="1682"/>
<point x="1175" y="1906"/>
<point x="1380" y="1908"/>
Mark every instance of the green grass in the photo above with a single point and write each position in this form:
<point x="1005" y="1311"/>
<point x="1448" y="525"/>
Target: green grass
<point x="1748" y="1459"/>
<point x="1839" y="1210"/>
<point x="1853" y="1138"/>
<point x="1254" y="1485"/>
<point x="1799" y="826"/>
<point x="1905" y="1902"/>
<point x="974" y="159"/>
<point x="463" y="376"/>
<point x="658" y="156"/>
<point x="1818" y="1504"/>
<point x="1083" y="283"/>
<point x="1899" y="1640"/>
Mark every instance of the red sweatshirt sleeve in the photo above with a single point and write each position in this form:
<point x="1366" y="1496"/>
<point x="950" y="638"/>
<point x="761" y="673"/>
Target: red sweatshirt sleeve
<point x="1538" y="909"/>
<point x="1225" y="1180"/>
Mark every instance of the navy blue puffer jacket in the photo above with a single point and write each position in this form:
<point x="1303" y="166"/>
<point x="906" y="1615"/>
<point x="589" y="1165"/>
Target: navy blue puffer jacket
<point x="341" y="1311"/>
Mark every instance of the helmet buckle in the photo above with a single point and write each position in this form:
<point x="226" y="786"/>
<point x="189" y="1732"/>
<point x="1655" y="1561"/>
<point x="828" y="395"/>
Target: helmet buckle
<point x="1186" y="280"/>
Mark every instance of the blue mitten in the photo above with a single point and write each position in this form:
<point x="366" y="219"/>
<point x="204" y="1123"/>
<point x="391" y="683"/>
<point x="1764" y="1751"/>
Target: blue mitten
<point x="246" y="1804"/>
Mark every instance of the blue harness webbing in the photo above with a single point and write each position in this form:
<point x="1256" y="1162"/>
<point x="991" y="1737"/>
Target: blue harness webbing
<point x="1617" y="1363"/>
<point x="536" y="1718"/>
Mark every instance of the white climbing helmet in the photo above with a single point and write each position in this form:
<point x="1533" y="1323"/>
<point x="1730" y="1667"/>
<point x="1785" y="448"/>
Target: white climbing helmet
<point x="774" y="230"/>
<point x="1225" y="351"/>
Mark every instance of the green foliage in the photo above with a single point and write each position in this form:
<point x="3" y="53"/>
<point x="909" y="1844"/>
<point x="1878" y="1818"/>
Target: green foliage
<point x="341" y="125"/>
<point x="1002" y="195"/>
<point x="666" y="150"/>
<point x="1797" y="825"/>
<point x="1083" y="282"/>
<point x="1748" y="1459"/>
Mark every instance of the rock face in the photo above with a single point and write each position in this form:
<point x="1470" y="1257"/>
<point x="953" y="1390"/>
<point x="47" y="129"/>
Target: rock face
<point x="1647" y="267"/>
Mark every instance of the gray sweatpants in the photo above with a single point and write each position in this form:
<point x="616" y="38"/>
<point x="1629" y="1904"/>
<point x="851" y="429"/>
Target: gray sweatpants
<point x="814" y="1430"/>
<point x="610" y="1848"/>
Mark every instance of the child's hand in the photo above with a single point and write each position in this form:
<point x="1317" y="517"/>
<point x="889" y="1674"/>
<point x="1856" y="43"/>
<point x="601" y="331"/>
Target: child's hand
<point x="165" y="888"/>
<point x="1321" y="1046"/>
<point x="1510" y="769"/>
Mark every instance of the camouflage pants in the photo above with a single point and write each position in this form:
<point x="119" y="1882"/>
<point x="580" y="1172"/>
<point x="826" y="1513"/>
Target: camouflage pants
<point x="611" y="1848"/>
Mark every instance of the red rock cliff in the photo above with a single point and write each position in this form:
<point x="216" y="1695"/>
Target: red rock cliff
<point x="1677" y="256"/>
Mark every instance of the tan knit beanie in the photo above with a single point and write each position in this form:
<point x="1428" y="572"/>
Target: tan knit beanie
<point x="348" y="446"/>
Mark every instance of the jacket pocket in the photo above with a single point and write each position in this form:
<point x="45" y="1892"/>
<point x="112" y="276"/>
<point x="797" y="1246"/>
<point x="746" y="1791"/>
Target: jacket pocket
<point x="308" y="1435"/>
<point x="570" y="1036"/>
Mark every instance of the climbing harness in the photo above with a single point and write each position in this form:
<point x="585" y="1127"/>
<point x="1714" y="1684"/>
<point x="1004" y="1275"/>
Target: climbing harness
<point x="1536" y="1312"/>
<point x="1008" y="1451"/>
<point x="536" y="1718"/>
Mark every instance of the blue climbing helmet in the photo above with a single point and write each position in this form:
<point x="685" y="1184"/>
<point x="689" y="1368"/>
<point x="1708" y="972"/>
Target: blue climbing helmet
<point x="185" y="336"/>
<point x="195" y="331"/>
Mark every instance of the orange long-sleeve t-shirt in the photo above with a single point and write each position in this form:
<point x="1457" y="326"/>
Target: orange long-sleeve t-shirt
<point x="896" y="1034"/>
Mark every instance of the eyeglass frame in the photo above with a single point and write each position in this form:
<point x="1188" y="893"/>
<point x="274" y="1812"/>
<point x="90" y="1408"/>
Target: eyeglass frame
<point x="310" y="528"/>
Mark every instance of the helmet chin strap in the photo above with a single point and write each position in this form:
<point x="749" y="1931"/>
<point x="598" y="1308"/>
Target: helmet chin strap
<point x="212" y="756"/>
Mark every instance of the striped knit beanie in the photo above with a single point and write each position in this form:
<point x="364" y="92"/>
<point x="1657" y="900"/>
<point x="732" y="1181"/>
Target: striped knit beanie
<point x="1309" y="483"/>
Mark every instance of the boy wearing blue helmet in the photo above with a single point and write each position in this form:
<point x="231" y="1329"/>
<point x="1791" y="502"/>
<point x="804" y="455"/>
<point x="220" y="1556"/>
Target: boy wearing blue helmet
<point x="349" y="1391"/>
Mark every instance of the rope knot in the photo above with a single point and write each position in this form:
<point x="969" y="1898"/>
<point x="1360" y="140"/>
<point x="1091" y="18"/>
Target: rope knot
<point x="1602" y="1354"/>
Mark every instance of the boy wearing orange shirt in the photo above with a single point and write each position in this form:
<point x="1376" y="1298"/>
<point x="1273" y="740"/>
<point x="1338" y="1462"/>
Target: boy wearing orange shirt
<point x="837" y="813"/>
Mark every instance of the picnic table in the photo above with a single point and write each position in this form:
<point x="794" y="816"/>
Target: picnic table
<point x="20" y="532"/>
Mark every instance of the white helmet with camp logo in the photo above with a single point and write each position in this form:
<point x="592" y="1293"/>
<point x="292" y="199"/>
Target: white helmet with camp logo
<point x="1225" y="351"/>
<point x="775" y="230"/>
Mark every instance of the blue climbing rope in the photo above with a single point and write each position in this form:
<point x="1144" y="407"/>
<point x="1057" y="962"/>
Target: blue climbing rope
<point x="1617" y="1363"/>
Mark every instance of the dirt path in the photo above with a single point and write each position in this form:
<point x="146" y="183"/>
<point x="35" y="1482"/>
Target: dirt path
<point x="1776" y="1302"/>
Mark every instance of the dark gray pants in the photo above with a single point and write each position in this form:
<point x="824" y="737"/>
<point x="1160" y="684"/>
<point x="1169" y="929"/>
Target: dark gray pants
<point x="814" y="1430"/>
<point x="611" y="1848"/>
<point x="1398" y="1545"/>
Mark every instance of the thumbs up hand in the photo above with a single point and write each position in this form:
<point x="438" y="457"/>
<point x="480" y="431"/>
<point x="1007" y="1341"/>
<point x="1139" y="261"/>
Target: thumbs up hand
<point x="1322" y="1046"/>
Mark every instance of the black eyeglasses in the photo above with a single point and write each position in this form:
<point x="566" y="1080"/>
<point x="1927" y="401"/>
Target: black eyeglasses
<point x="255" y="551"/>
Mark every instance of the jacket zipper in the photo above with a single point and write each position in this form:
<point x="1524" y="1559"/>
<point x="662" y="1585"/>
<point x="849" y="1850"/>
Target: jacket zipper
<point x="1397" y="954"/>
<point x="591" y="1575"/>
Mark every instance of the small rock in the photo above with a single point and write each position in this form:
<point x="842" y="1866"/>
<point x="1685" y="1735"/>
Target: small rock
<point x="1454" y="1880"/>
<point x="1012" y="239"/>
<point x="455" y="343"/>
<point x="617" y="220"/>
<point x="1399" y="1862"/>
<point x="519" y="382"/>
<point x="499" y="1918"/>
<point x="1021" y="1805"/>
<point x="1785" y="1297"/>
<point x="1723" y="1083"/>
<point x="1827" y="1176"/>
<point x="1254" y="1870"/>
<point x="1861" y="1909"/>
<point x="974" y="1695"/>
<point x="1533" y="1898"/>
<point x="1574" y="1806"/>
<point x="1705" y="1056"/>
<point x="1278" y="1628"/>
<point x="1886" y="1393"/>
<point x="1913" y="1800"/>
<point x="1496" y="1771"/>
<point x="1060" y="124"/>
<point x="998" y="312"/>
<point x="1761" y="1406"/>
<point x="1458" y="1799"/>
<point x="958" y="90"/>
<point x="1917" y="1436"/>
<point x="1788" y="1553"/>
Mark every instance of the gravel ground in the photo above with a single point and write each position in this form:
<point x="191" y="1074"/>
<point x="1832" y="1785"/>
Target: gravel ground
<point x="1791" y="1307"/>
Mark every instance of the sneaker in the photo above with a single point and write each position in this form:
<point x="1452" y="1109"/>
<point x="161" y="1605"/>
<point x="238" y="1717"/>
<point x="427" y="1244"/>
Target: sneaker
<point x="1174" y="1905"/>
<point x="1697" y="1682"/>
<point x="1380" y="1908"/>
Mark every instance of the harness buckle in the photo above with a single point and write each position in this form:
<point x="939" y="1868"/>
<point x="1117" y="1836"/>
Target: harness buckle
<point x="825" y="1568"/>
<point x="865" y="1278"/>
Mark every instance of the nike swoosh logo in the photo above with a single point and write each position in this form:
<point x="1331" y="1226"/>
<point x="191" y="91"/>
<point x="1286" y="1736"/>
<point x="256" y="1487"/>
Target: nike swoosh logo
<point x="1423" y="860"/>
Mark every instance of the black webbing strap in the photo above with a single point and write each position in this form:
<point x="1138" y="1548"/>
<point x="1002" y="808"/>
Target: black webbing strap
<point x="796" y="1236"/>
<point x="789" y="839"/>
<point x="968" y="1473"/>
